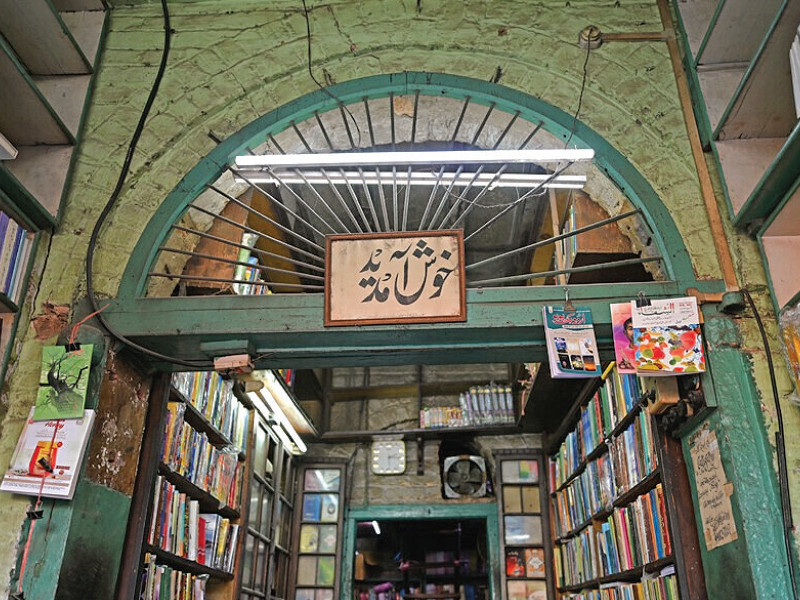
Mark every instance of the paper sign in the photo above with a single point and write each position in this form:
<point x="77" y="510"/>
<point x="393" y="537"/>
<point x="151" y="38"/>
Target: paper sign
<point x="713" y="490"/>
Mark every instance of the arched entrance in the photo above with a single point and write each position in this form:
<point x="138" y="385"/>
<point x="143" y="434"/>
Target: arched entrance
<point x="286" y="328"/>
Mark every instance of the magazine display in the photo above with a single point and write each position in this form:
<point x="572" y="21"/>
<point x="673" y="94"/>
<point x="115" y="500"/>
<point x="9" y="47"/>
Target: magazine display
<point x="571" y="344"/>
<point x="667" y="337"/>
<point x="48" y="457"/>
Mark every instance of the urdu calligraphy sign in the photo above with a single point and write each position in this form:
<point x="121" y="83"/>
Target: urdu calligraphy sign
<point x="406" y="277"/>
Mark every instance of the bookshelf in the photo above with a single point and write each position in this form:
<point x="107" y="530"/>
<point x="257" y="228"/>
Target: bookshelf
<point x="611" y="530"/>
<point x="191" y="541"/>
<point x="491" y="404"/>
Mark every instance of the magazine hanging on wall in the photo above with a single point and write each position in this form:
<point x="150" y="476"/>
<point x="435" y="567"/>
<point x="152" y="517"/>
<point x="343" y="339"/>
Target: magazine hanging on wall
<point x="571" y="344"/>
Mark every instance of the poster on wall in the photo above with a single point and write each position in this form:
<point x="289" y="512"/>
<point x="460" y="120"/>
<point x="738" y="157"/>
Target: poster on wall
<point x="622" y="332"/>
<point x="713" y="489"/>
<point x="571" y="344"/>
<point x="48" y="457"/>
<point x="63" y="382"/>
<point x="667" y="337"/>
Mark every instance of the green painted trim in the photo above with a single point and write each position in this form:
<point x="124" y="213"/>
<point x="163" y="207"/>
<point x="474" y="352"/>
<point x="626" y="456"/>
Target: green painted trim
<point x="668" y="239"/>
<point x="749" y="463"/>
<point x="423" y="511"/>
<point x="66" y="31"/>
<point x="709" y="32"/>
<point x="286" y="329"/>
<point x="22" y="203"/>
<point x="23" y="71"/>
<point x="744" y="81"/>
<point x="777" y="184"/>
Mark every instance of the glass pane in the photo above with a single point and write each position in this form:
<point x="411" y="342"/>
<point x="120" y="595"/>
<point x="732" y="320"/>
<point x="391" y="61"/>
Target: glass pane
<point x="288" y="475"/>
<point x="520" y="471"/>
<point x="285" y="536"/>
<point x="512" y="499"/>
<point x="536" y="590"/>
<point x="534" y="562"/>
<point x="247" y="565"/>
<point x="531" y="500"/>
<point x="322" y="480"/>
<point x="330" y="508"/>
<point x="523" y="530"/>
<point x="260" y="451"/>
<point x="306" y="570"/>
<point x="269" y="467"/>
<point x="312" y="505"/>
<point x="515" y="562"/>
<point x="304" y="594"/>
<point x="253" y="518"/>
<point x="266" y="513"/>
<point x="309" y="538"/>
<point x="261" y="557"/>
<point x="276" y="534"/>
<point x="516" y="590"/>
<point x="324" y="594"/>
<point x="327" y="539"/>
<point x="280" y="579"/>
<point x="326" y="570"/>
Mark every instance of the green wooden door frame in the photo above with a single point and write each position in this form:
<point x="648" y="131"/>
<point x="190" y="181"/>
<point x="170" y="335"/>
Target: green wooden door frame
<point x="287" y="329"/>
<point x="409" y="512"/>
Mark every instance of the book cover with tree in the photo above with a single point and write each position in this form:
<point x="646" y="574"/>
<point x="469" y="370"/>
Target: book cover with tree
<point x="63" y="383"/>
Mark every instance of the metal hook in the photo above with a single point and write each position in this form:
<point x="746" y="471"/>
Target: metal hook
<point x="568" y="306"/>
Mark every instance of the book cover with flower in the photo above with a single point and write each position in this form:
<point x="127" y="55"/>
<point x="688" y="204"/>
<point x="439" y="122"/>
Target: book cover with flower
<point x="667" y="337"/>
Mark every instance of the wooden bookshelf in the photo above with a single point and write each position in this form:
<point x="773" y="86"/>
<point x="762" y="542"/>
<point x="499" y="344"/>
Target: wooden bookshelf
<point x="613" y="473"/>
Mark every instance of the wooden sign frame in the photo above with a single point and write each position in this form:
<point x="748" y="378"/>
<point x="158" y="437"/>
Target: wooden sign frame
<point x="398" y="277"/>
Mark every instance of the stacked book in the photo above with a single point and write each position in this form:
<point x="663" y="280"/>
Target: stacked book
<point x="160" y="582"/>
<point x="15" y="247"/>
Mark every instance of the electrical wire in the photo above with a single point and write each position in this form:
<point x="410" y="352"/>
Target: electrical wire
<point x="113" y="200"/>
<point x="315" y="80"/>
<point x="580" y="95"/>
<point x="786" y="504"/>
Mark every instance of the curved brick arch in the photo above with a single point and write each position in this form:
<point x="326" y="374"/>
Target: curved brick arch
<point x="557" y="122"/>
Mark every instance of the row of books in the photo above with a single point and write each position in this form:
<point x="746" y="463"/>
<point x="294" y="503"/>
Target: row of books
<point x="160" y="582"/>
<point x="178" y="527"/>
<point x="632" y="536"/>
<point x="15" y="247"/>
<point x="631" y="458"/>
<point x="249" y="279"/>
<point x="619" y="394"/>
<point x="658" y="588"/>
<point x="190" y="454"/>
<point x="213" y="397"/>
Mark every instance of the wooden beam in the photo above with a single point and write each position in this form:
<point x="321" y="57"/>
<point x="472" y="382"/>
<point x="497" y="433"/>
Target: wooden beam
<point x="707" y="189"/>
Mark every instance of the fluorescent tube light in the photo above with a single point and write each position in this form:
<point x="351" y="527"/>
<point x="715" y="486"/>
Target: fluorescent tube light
<point x="420" y="178"/>
<point x="402" y="159"/>
<point x="282" y="427"/>
<point x="7" y="149"/>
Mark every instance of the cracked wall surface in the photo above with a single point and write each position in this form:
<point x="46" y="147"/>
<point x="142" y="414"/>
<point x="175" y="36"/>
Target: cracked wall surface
<point x="233" y="61"/>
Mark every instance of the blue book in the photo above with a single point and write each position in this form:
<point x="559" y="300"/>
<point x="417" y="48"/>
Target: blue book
<point x="13" y="264"/>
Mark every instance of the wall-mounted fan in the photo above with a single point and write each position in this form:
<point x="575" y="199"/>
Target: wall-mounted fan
<point x="464" y="476"/>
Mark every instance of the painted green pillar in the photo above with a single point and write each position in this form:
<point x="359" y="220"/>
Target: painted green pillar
<point x="755" y="566"/>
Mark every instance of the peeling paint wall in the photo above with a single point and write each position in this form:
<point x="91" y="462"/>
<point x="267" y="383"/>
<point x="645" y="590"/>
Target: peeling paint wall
<point x="233" y="61"/>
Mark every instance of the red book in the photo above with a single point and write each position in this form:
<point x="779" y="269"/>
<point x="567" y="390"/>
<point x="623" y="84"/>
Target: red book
<point x="201" y="540"/>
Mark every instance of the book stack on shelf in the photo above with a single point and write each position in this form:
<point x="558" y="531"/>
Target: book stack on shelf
<point x="193" y="527"/>
<point x="247" y="272"/>
<point x="15" y="247"/>
<point x="492" y="404"/>
<point x="609" y="516"/>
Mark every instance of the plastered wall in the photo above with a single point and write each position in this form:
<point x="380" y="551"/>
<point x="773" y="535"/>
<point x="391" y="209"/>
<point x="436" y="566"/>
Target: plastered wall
<point x="231" y="62"/>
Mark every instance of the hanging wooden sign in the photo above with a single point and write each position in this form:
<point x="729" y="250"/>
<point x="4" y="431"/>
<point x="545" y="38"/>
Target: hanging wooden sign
<point x="404" y="277"/>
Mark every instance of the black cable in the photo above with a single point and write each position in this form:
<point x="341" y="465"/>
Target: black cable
<point x="580" y="95"/>
<point x="112" y="201"/>
<point x="314" y="79"/>
<point x="786" y="504"/>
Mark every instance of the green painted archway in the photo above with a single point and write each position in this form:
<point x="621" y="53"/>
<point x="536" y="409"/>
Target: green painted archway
<point x="284" y="330"/>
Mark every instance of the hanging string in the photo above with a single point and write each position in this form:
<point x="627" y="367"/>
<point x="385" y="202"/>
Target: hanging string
<point x="74" y="333"/>
<point x="33" y="514"/>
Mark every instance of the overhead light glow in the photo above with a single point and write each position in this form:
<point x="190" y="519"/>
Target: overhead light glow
<point x="282" y="427"/>
<point x="402" y="159"/>
<point x="421" y="178"/>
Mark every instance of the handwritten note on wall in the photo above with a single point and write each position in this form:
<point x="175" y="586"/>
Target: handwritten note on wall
<point x="713" y="489"/>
